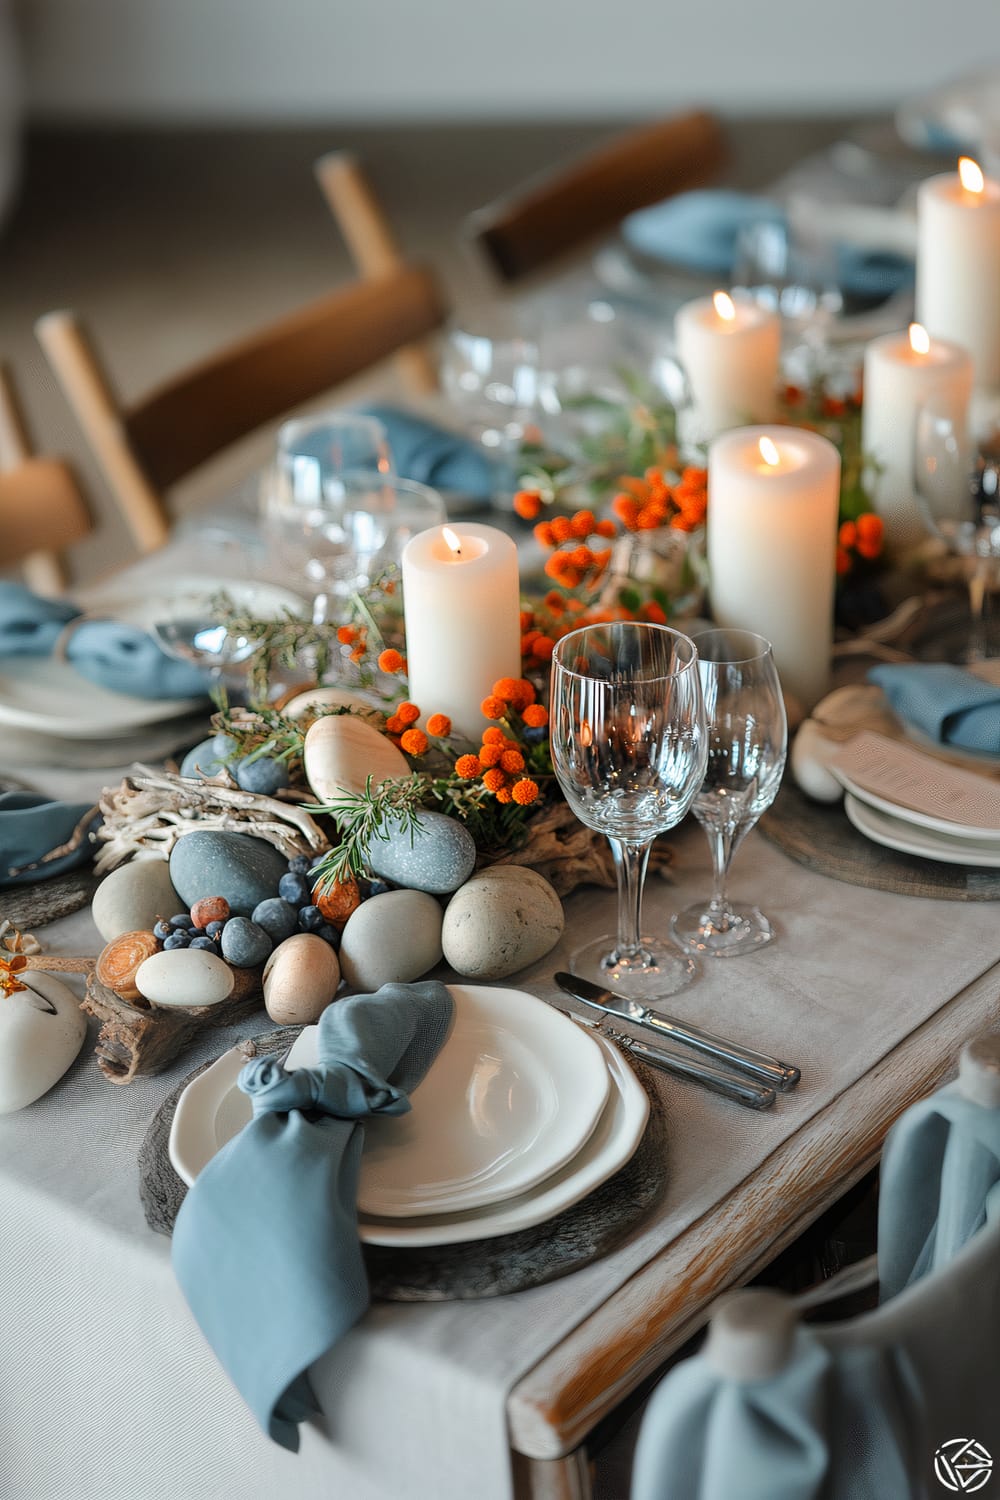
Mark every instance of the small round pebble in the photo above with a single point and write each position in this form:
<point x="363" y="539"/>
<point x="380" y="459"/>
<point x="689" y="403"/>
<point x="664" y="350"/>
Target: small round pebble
<point x="177" y="940"/>
<point x="181" y="922"/>
<point x="202" y="942"/>
<point x="209" y="909"/>
<point x="244" y="943"/>
<point x="263" y="776"/>
<point x="376" y="888"/>
<point x="162" y="930"/>
<point x="300" y="864"/>
<point x="295" y="889"/>
<point x="278" y="918"/>
<point x="329" y="934"/>
<point x="214" y="928"/>
<point x="310" y="919"/>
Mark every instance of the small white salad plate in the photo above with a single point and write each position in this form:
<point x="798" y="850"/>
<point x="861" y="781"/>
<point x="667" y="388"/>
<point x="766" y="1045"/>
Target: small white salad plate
<point x="512" y="1096"/>
<point x="911" y="838"/>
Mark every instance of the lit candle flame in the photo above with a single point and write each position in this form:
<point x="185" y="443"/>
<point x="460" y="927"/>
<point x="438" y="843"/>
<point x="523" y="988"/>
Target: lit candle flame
<point x="769" y="452"/>
<point x="920" y="339"/>
<point x="970" y="175"/>
<point x="453" y="540"/>
<point x="724" y="306"/>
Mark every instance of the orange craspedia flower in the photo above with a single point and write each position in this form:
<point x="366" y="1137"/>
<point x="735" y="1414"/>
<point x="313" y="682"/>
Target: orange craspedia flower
<point x="493" y="736"/>
<point x="390" y="660"/>
<point x="562" y="528"/>
<point x="512" y="761"/>
<point x="583" y="523"/>
<point x="409" y="713"/>
<point x="468" y="767"/>
<point x="493" y="707"/>
<point x="544" y="534"/>
<point x="394" y="724"/>
<point x="535" y="716"/>
<point x="494" y="779"/>
<point x="654" y="613"/>
<point x="843" y="561"/>
<point x="414" y="742"/>
<point x="505" y="688"/>
<point x="626" y="508"/>
<point x="524" y="792"/>
<point x="554" y="603"/>
<point x="543" y="647"/>
<point x="439" y="725"/>
<point x="347" y="635"/>
<point x="503" y="794"/>
<point x="847" y="536"/>
<point x="524" y="693"/>
<point x="527" y="620"/>
<point x="606" y="529"/>
<point x="871" y="530"/>
<point x="490" y="755"/>
<point x="527" y="504"/>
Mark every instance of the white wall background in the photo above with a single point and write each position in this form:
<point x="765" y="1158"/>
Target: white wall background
<point x="374" y="60"/>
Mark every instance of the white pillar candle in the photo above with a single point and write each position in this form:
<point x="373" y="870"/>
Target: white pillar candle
<point x="958" y="265"/>
<point x="729" y="351"/>
<point x="902" y="371"/>
<point x="461" y="605"/>
<point x="773" y="501"/>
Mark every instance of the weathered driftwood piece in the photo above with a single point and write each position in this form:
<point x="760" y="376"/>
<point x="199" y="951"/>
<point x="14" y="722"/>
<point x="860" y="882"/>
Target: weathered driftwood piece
<point x="569" y="854"/>
<point x="151" y="810"/>
<point x="137" y="1037"/>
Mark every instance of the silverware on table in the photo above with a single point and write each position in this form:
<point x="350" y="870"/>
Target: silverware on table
<point x="758" y="1065"/>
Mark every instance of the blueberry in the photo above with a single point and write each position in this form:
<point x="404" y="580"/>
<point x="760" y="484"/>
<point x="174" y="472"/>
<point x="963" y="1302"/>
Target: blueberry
<point x="162" y="930"/>
<point x="176" y="940"/>
<point x="181" y="922"/>
<point x="329" y="934"/>
<point x="263" y="776"/>
<point x="202" y="942"/>
<point x="300" y="864"/>
<point x="213" y="929"/>
<point x="244" y="944"/>
<point x="295" y="889"/>
<point x="534" y="735"/>
<point x="375" y="888"/>
<point x="310" y="919"/>
<point x="277" y="917"/>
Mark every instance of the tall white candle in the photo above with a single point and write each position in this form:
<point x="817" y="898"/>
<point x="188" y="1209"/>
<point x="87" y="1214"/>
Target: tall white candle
<point x="461" y="605"/>
<point x="902" y="371"/>
<point x="773" y="500"/>
<point x="958" y="265"/>
<point x="729" y="351"/>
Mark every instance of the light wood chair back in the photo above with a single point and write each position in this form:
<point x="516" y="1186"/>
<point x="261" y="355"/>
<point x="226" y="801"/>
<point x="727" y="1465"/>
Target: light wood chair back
<point x="42" y="509"/>
<point x="373" y="246"/>
<point x="561" y="210"/>
<point x="144" y="448"/>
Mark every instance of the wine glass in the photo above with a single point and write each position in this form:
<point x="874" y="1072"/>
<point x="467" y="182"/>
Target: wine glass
<point x="747" y="743"/>
<point x="313" y="450"/>
<point x="628" y="747"/>
<point x="957" y="487"/>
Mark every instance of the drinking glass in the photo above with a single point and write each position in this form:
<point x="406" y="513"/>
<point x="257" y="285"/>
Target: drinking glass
<point x="957" y="487"/>
<point x="628" y="747"/>
<point x="313" y="450"/>
<point x="489" y="373"/>
<point x="747" y="743"/>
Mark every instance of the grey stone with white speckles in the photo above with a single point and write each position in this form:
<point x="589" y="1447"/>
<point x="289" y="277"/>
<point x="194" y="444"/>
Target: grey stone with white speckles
<point x="438" y="857"/>
<point x="501" y="920"/>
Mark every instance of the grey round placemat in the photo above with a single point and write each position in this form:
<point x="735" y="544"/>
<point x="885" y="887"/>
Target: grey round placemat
<point x="480" y="1268"/>
<point x="818" y="834"/>
<point x="32" y="905"/>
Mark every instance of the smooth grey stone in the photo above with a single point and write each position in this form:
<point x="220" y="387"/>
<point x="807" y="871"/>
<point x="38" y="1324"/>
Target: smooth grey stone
<point x="391" y="938"/>
<point x="278" y="918"/>
<point x="244" y="943"/>
<point x="438" y="857"/>
<point x="264" y="776"/>
<point x="242" y="869"/>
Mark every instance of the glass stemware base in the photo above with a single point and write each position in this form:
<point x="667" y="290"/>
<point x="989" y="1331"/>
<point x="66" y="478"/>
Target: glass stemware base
<point x="721" y="934"/>
<point x="656" y="970"/>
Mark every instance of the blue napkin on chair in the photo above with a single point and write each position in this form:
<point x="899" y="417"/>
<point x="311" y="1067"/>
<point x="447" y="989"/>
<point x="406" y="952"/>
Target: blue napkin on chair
<point x="31" y="827"/>
<point x="266" y="1245"/>
<point x="945" y="702"/>
<point x="433" y="455"/>
<point x="112" y="654"/>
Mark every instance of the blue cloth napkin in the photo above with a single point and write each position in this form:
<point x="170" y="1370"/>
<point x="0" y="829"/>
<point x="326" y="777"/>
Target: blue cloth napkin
<point x="114" y="655"/>
<point x="266" y="1243"/>
<point x="32" y="826"/>
<point x="433" y="455"/>
<point x="948" y="704"/>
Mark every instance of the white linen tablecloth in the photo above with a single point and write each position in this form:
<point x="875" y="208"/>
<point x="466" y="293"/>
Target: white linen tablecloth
<point x="107" y="1390"/>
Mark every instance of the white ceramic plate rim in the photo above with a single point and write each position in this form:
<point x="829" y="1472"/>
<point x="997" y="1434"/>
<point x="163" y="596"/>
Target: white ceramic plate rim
<point x="896" y="833"/>
<point x="918" y="819"/>
<point x="569" y="1082"/>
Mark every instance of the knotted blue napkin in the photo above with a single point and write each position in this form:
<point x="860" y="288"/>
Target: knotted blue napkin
<point x="31" y="827"/>
<point x="112" y="654"/>
<point x="433" y="455"/>
<point x="950" y="705"/>
<point x="266" y="1243"/>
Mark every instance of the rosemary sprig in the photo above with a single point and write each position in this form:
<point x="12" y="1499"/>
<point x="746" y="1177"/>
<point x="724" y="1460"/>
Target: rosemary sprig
<point x="377" y="813"/>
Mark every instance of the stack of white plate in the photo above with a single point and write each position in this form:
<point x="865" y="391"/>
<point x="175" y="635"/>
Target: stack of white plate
<point x="521" y="1115"/>
<point x="896" y="826"/>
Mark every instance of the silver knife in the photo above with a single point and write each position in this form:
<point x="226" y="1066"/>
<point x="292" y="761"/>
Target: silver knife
<point x="757" y="1065"/>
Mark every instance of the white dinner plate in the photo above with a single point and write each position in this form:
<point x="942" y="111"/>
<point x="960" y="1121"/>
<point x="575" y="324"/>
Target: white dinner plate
<point x="896" y="810"/>
<point x="910" y="838"/>
<point x="512" y="1096"/>
<point x="212" y="1110"/>
<point x="48" y="696"/>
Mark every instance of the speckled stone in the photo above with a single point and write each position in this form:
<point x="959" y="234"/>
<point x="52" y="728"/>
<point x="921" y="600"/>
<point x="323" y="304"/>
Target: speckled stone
<point x="500" y="921"/>
<point x="132" y="897"/>
<point x="438" y="857"/>
<point x="394" y="937"/>
<point x="242" y="869"/>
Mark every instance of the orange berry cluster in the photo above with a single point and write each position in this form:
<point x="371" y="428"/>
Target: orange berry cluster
<point x="355" y="636"/>
<point x="644" y="504"/>
<point x="401" y="728"/>
<point x="861" y="538"/>
<point x="500" y="763"/>
<point x="574" y="564"/>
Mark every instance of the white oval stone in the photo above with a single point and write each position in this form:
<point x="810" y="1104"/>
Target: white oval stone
<point x="394" y="937"/>
<point x="184" y="976"/>
<point x="300" y="980"/>
<point x="132" y="897"/>
<point x="332" y="697"/>
<point x="37" y="1046"/>
<point x="810" y="757"/>
<point x="342" y="751"/>
<point x="500" y="921"/>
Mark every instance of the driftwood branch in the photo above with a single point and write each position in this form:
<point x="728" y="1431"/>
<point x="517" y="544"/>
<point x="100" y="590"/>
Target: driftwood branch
<point x="569" y="854"/>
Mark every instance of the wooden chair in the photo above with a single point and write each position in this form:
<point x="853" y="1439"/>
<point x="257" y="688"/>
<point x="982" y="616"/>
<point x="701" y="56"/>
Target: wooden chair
<point x="42" y="509"/>
<point x="373" y="246"/>
<point x="561" y="210"/>
<point x="144" y="448"/>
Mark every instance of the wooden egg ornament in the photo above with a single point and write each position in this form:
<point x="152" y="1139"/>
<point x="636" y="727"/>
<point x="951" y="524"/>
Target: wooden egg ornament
<point x="301" y="978"/>
<point x="342" y="751"/>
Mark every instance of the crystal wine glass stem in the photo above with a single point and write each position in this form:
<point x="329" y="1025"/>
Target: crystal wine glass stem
<point x="723" y="839"/>
<point x="630" y="867"/>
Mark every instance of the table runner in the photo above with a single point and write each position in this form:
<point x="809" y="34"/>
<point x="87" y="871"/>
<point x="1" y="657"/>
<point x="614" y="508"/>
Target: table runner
<point x="108" y="1392"/>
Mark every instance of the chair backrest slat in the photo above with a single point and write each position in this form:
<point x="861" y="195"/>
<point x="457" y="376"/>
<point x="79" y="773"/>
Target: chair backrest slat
<point x="42" y="509"/>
